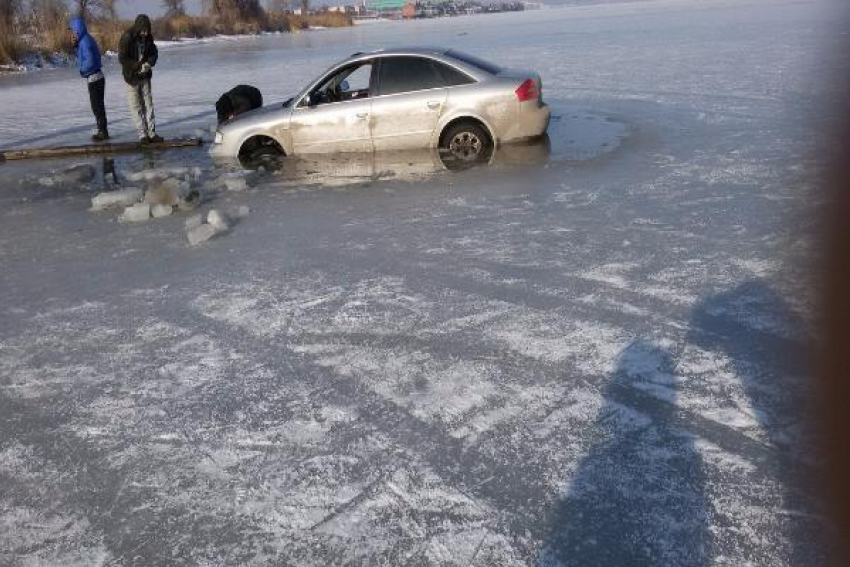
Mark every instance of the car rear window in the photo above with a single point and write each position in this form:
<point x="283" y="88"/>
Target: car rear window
<point x="406" y="74"/>
<point x="451" y="76"/>
<point x="475" y="62"/>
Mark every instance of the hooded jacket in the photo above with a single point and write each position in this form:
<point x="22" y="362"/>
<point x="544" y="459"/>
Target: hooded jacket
<point x="238" y="100"/>
<point x="88" y="52"/>
<point x="133" y="52"/>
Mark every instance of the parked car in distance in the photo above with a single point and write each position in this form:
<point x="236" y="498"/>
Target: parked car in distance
<point x="397" y="99"/>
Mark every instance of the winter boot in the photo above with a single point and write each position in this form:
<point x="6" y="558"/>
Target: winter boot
<point x="155" y="139"/>
<point x="101" y="136"/>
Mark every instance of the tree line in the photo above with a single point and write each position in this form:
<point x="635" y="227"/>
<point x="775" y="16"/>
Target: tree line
<point x="40" y="26"/>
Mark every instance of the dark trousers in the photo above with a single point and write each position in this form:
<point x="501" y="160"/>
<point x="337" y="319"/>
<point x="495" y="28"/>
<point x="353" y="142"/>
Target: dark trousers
<point x="96" y="91"/>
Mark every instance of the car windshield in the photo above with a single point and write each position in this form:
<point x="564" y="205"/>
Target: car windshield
<point x="475" y="62"/>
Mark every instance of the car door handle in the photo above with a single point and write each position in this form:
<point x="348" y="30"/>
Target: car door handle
<point x="434" y="105"/>
<point x="362" y="115"/>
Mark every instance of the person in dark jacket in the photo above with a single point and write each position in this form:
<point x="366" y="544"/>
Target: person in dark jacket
<point x="138" y="54"/>
<point x="238" y="100"/>
<point x="88" y="61"/>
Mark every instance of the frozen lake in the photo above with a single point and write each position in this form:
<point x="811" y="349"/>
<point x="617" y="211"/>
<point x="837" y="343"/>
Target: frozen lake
<point x="591" y="352"/>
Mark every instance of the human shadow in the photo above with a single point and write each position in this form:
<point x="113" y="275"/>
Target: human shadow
<point x="638" y="497"/>
<point x="764" y="341"/>
<point x="767" y="349"/>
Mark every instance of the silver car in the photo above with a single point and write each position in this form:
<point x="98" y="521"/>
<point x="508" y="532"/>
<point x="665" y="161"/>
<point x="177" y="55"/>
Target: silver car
<point x="396" y="99"/>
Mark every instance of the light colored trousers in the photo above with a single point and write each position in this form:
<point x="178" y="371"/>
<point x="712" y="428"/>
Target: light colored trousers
<point x="141" y="107"/>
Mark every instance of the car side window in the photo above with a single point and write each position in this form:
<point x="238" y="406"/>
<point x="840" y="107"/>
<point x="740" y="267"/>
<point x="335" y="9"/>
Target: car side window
<point x="451" y="76"/>
<point x="407" y="74"/>
<point x="349" y="83"/>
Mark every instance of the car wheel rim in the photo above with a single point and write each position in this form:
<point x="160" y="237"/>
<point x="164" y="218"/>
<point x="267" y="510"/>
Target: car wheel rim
<point x="466" y="146"/>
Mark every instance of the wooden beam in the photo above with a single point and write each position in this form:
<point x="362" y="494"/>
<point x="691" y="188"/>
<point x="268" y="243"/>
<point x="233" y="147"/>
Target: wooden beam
<point x="120" y="147"/>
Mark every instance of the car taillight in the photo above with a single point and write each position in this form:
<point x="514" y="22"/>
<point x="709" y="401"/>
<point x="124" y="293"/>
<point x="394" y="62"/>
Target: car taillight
<point x="528" y="91"/>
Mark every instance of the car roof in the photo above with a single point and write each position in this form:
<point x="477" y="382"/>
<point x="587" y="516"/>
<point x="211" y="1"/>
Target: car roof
<point x="411" y="50"/>
<point x="444" y="54"/>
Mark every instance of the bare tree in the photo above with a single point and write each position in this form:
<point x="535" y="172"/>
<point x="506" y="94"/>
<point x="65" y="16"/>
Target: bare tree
<point x="104" y="8"/>
<point x="234" y="10"/>
<point x="44" y="13"/>
<point x="9" y="10"/>
<point x="174" y="7"/>
<point x="305" y="7"/>
<point x="108" y="8"/>
<point x="48" y="20"/>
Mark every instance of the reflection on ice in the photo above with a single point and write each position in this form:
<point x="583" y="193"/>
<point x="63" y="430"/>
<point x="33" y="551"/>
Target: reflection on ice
<point x="574" y="135"/>
<point x="406" y="165"/>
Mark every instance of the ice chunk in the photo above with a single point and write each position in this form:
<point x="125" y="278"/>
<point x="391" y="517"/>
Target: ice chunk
<point x="158" y="174"/>
<point x="201" y="234"/>
<point x="236" y="184"/>
<point x="194" y="222"/>
<point x="159" y="211"/>
<point x="122" y="198"/>
<point x="165" y="194"/>
<point x="218" y="220"/>
<point x="138" y="212"/>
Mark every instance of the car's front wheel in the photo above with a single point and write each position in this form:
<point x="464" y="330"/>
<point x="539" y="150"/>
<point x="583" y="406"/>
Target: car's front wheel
<point x="261" y="151"/>
<point x="466" y="142"/>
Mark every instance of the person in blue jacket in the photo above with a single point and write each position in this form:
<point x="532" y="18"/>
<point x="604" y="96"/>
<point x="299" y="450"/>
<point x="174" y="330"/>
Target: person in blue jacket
<point x="88" y="60"/>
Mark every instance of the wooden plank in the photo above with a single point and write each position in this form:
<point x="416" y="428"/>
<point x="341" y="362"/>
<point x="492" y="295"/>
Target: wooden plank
<point x="120" y="147"/>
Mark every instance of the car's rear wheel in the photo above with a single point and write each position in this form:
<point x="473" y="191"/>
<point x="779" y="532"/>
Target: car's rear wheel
<point x="467" y="143"/>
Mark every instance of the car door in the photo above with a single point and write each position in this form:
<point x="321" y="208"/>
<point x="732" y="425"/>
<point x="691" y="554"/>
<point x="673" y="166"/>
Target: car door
<point x="409" y="98"/>
<point x="334" y="117"/>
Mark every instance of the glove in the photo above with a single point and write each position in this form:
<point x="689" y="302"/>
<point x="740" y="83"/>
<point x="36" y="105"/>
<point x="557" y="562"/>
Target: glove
<point x="145" y="69"/>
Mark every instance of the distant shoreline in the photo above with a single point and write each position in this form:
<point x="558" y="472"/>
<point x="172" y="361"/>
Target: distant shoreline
<point x="35" y="61"/>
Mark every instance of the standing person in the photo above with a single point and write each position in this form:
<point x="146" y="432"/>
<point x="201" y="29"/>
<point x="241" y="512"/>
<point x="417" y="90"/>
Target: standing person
<point x="138" y="54"/>
<point x="88" y="61"/>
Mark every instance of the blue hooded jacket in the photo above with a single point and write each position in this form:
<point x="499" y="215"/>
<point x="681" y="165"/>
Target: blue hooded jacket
<point x="88" y="52"/>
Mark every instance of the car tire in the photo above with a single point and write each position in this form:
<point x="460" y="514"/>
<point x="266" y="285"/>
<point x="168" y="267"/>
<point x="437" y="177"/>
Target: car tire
<point x="265" y="155"/>
<point x="466" y="143"/>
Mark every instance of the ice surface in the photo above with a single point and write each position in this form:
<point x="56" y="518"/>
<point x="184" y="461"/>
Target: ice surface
<point x="121" y="198"/>
<point x="586" y="353"/>
<point x="75" y="175"/>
